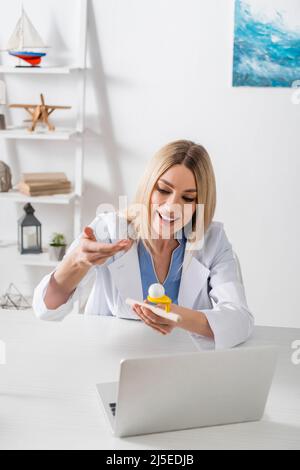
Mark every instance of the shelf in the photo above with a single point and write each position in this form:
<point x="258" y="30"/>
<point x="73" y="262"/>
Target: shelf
<point x="21" y="133"/>
<point x="11" y="254"/>
<point x="6" y="69"/>
<point x="71" y="132"/>
<point x="17" y="197"/>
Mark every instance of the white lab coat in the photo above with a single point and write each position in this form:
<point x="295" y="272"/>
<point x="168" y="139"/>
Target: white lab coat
<point x="210" y="283"/>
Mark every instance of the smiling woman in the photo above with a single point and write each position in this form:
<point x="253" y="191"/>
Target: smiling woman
<point x="174" y="242"/>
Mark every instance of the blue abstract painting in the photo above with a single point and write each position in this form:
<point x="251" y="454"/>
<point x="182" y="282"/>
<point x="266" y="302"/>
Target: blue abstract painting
<point x="266" y="43"/>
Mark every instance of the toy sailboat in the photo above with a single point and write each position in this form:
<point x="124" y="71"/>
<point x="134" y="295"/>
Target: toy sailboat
<point x="24" y="40"/>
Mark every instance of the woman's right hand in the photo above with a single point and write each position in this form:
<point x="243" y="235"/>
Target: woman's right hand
<point x="90" y="252"/>
<point x="72" y="270"/>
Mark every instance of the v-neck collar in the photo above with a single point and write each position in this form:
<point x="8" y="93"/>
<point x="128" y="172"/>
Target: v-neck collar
<point x="181" y="242"/>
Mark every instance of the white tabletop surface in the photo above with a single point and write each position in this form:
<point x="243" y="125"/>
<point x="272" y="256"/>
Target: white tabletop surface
<point x="48" y="398"/>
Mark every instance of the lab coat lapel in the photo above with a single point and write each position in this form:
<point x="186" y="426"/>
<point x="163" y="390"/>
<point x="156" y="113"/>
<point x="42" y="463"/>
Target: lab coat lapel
<point x="193" y="280"/>
<point x="125" y="272"/>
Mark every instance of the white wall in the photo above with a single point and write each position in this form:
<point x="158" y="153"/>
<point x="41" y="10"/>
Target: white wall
<point x="161" y="70"/>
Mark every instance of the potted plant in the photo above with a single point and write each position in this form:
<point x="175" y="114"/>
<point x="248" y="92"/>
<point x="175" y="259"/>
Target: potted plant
<point x="57" y="248"/>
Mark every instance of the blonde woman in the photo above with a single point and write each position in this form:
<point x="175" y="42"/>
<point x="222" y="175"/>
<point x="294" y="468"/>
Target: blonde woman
<point x="172" y="241"/>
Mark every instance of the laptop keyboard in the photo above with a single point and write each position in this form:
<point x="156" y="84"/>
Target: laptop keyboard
<point x="113" y="407"/>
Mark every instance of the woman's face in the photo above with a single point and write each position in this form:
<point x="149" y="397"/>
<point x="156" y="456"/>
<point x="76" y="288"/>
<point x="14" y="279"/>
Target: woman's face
<point x="173" y="201"/>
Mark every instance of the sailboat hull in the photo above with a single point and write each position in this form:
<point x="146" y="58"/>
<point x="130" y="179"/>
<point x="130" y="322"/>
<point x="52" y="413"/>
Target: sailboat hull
<point x="32" y="58"/>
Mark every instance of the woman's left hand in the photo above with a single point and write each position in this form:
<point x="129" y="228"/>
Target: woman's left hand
<point x="163" y="325"/>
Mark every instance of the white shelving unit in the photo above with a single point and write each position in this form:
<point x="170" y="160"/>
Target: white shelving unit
<point x="59" y="199"/>
<point x="19" y="133"/>
<point x="77" y="135"/>
<point x="42" y="260"/>
<point x="5" y="69"/>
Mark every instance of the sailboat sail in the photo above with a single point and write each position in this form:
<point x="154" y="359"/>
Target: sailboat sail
<point x="25" y="36"/>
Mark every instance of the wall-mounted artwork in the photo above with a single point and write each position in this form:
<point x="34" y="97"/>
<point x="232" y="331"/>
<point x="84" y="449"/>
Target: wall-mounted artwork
<point x="266" y="43"/>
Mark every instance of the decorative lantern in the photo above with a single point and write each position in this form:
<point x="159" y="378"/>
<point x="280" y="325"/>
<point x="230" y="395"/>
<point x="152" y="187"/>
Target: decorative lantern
<point x="30" y="232"/>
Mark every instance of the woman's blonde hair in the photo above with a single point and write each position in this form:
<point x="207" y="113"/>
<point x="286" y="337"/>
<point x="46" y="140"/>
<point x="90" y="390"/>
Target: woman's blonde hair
<point x="195" y="158"/>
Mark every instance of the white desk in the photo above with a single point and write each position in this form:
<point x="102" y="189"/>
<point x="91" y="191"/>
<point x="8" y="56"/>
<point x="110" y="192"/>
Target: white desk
<point x="48" y="398"/>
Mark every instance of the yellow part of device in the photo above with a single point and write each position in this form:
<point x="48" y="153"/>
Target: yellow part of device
<point x="165" y="300"/>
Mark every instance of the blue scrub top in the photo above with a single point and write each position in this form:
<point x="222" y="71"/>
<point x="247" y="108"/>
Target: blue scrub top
<point x="173" y="279"/>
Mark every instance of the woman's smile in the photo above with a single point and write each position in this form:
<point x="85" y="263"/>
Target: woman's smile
<point x="164" y="219"/>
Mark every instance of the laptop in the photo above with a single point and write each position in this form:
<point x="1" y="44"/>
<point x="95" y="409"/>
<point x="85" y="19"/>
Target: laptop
<point x="191" y="390"/>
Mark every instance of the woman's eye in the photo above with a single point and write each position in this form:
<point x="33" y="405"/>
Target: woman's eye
<point x="187" y="199"/>
<point x="163" y="191"/>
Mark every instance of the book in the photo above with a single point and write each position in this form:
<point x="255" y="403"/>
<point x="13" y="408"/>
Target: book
<point x="41" y="187"/>
<point x="46" y="192"/>
<point x="44" y="189"/>
<point x="44" y="184"/>
<point x="43" y="177"/>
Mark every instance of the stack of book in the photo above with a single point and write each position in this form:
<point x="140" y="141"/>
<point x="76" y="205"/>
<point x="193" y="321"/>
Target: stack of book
<point x="44" y="184"/>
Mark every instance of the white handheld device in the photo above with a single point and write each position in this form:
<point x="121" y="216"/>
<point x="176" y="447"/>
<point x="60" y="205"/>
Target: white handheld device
<point x="158" y="311"/>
